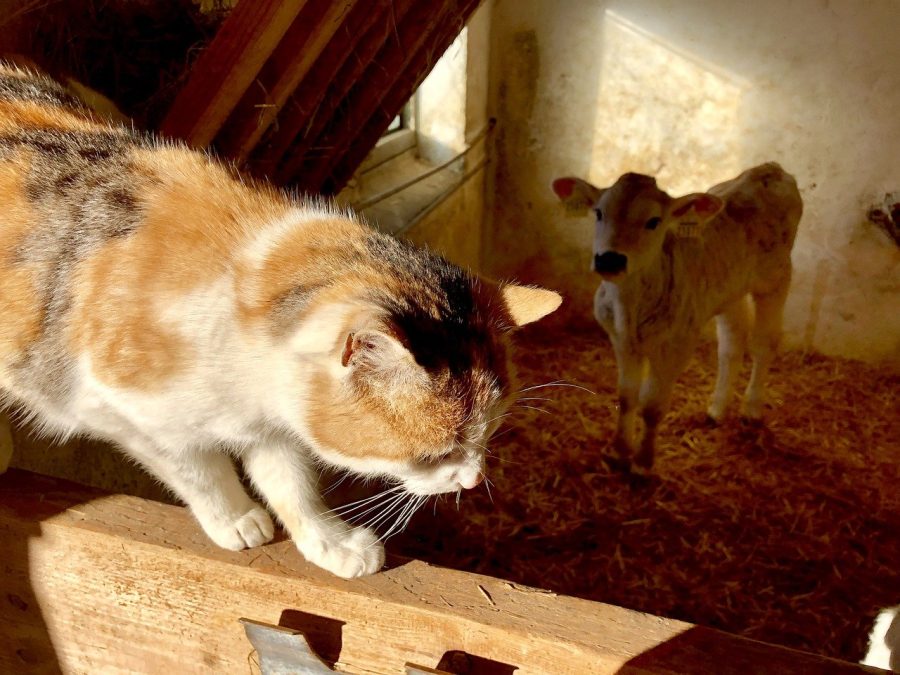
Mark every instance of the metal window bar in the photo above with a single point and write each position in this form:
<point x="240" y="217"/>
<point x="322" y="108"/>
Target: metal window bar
<point x="481" y="135"/>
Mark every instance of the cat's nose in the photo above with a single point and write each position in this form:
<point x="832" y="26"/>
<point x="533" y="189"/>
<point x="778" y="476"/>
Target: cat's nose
<point x="470" y="482"/>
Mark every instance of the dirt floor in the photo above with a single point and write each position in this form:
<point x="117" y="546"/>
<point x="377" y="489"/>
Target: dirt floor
<point x="787" y="532"/>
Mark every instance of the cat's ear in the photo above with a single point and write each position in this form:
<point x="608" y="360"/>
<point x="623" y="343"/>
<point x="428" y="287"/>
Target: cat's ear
<point x="527" y="304"/>
<point x="381" y="347"/>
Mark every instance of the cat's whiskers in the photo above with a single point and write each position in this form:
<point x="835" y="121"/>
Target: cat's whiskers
<point x="376" y="509"/>
<point x="351" y="506"/>
<point x="494" y="419"/>
<point x="531" y="407"/>
<point x="502" y="433"/>
<point x="487" y="485"/>
<point x="505" y="461"/>
<point x="347" y="473"/>
<point x="398" y="504"/>
<point x="479" y="445"/>
<point x="343" y="511"/>
<point x="535" y="398"/>
<point x="557" y="383"/>
<point x="405" y="517"/>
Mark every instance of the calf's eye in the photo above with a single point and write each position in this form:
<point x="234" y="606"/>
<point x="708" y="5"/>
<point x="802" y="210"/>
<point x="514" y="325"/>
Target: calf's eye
<point x="652" y="223"/>
<point x="599" y="214"/>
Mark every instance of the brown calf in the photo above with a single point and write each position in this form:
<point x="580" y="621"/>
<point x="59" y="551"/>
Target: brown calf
<point x="668" y="266"/>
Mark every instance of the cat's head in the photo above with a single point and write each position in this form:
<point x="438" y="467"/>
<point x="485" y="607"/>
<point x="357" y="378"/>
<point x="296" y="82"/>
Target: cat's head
<point x="405" y="360"/>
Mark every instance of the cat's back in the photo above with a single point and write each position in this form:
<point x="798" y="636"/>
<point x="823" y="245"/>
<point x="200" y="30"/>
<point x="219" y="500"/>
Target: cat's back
<point x="40" y="122"/>
<point x="102" y="230"/>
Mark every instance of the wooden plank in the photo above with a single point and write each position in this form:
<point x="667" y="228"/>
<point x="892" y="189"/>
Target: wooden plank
<point x="308" y="126"/>
<point x="362" y="28"/>
<point x="227" y="67"/>
<point x="404" y="87"/>
<point x="295" y="55"/>
<point x="100" y="583"/>
<point x="417" y="28"/>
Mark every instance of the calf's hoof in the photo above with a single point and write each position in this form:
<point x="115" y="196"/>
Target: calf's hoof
<point x="752" y="409"/>
<point x="644" y="470"/>
<point x="710" y="421"/>
<point x="751" y="422"/>
<point x="617" y="463"/>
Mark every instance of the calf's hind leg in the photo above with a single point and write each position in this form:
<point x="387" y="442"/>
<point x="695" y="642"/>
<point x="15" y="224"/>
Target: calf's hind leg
<point x="731" y="334"/>
<point x="764" y="339"/>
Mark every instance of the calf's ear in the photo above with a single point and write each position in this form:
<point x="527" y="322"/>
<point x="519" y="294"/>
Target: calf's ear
<point x="688" y="214"/>
<point x="577" y="195"/>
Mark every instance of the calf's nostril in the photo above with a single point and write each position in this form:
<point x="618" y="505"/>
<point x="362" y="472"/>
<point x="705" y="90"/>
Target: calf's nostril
<point x="610" y="262"/>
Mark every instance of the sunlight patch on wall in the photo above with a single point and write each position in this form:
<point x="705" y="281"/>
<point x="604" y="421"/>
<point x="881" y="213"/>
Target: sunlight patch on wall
<point x="663" y="112"/>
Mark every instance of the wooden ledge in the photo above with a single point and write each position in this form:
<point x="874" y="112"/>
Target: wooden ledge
<point x="95" y="582"/>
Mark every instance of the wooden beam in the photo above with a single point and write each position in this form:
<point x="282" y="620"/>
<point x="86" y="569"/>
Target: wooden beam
<point x="227" y="67"/>
<point x="100" y="583"/>
<point x="367" y="25"/>
<point x="416" y="29"/>
<point x="298" y="51"/>
<point x="311" y="121"/>
<point x="406" y="83"/>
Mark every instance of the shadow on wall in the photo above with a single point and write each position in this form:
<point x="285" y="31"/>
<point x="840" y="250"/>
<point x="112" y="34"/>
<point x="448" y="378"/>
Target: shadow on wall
<point x="521" y="242"/>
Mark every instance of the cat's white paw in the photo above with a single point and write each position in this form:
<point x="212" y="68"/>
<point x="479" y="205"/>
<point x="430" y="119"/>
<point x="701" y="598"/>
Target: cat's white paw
<point x="354" y="553"/>
<point x="254" y="528"/>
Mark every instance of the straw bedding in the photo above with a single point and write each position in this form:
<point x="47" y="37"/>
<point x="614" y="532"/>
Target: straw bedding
<point x="787" y="532"/>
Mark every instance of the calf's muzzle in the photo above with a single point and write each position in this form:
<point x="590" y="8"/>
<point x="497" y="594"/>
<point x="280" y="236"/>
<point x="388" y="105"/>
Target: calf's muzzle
<point x="610" y="263"/>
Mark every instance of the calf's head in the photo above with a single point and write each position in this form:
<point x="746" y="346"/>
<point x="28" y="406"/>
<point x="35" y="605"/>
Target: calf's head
<point x="632" y="218"/>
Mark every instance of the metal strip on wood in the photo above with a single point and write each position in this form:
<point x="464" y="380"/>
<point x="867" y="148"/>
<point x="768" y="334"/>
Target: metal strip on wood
<point x="285" y="651"/>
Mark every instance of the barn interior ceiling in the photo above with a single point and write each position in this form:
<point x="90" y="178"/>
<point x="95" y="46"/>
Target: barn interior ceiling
<point x="300" y="91"/>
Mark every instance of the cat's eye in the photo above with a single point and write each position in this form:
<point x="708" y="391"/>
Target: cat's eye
<point x="653" y="222"/>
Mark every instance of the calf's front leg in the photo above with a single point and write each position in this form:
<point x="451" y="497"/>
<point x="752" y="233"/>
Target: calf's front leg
<point x="630" y="369"/>
<point x="655" y="396"/>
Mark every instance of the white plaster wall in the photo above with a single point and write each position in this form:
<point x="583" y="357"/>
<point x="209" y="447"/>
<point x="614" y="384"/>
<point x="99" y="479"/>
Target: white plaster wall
<point x="693" y="91"/>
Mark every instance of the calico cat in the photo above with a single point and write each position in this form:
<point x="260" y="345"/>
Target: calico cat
<point x="152" y="297"/>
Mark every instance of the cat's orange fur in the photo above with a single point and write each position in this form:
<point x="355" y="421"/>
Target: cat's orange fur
<point x="153" y="298"/>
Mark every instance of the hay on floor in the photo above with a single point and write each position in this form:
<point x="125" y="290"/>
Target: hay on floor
<point x="787" y="532"/>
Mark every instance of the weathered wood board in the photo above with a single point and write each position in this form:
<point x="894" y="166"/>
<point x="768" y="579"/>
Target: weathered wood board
<point x="110" y="583"/>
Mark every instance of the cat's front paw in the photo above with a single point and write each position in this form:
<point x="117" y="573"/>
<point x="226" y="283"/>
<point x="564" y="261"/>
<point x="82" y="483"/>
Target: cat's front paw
<point x="253" y="528"/>
<point x="354" y="553"/>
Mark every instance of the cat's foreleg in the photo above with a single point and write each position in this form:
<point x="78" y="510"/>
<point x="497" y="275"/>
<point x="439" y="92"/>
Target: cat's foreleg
<point x="284" y="474"/>
<point x="207" y="482"/>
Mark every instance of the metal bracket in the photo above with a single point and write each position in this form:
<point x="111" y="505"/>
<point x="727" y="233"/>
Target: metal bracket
<point x="285" y="651"/>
